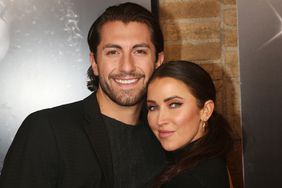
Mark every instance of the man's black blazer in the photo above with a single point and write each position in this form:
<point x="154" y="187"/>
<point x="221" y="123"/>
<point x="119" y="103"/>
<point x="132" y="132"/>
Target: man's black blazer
<point x="69" y="142"/>
<point x="64" y="147"/>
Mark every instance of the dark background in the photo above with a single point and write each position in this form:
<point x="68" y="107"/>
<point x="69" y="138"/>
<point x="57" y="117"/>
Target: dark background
<point x="260" y="48"/>
<point x="43" y="56"/>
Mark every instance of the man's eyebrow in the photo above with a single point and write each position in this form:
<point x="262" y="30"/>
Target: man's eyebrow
<point x="112" y="46"/>
<point x="141" y="45"/>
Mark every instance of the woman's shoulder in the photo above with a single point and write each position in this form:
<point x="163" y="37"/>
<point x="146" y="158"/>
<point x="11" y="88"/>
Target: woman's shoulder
<point x="211" y="166"/>
<point x="212" y="173"/>
<point x="209" y="173"/>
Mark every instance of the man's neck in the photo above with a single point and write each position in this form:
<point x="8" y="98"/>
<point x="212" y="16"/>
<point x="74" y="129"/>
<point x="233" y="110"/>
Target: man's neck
<point x="126" y="114"/>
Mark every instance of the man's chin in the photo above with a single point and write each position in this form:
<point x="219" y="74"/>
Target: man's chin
<point x="127" y="100"/>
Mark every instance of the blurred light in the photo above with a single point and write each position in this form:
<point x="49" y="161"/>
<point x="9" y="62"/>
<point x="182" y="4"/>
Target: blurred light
<point x="279" y="32"/>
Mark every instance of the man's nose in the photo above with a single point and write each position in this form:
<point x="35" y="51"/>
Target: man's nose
<point x="127" y="63"/>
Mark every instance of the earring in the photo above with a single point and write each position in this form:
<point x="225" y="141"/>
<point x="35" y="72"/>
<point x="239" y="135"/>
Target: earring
<point x="204" y="124"/>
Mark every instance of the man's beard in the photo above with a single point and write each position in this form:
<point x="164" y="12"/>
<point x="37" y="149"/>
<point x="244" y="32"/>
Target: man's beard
<point x="129" y="97"/>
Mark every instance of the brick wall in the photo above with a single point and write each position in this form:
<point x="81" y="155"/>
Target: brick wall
<point x="205" y="32"/>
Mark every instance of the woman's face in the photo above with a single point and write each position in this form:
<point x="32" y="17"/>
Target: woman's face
<point x="173" y="114"/>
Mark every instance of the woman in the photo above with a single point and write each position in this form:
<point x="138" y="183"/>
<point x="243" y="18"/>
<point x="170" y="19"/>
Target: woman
<point x="181" y="101"/>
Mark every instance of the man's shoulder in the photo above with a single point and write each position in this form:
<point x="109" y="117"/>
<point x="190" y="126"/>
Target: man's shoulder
<point x="57" y="111"/>
<point x="70" y="112"/>
<point x="68" y="109"/>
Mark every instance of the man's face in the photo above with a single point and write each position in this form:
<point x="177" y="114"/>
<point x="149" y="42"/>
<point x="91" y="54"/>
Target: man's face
<point x="125" y="60"/>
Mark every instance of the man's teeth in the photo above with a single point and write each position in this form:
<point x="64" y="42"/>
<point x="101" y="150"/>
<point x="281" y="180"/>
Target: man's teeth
<point x="126" y="81"/>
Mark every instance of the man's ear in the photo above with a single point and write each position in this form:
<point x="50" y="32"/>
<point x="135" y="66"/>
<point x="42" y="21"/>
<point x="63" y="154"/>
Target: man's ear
<point x="207" y="110"/>
<point x="93" y="63"/>
<point x="160" y="59"/>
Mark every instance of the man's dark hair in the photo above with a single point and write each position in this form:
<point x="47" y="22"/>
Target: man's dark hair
<point x="126" y="12"/>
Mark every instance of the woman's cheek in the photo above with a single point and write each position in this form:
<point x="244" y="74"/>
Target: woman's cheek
<point x="152" y="121"/>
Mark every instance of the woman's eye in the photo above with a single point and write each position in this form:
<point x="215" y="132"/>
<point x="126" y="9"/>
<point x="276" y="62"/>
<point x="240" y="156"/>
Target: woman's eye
<point x="175" y="105"/>
<point x="151" y="108"/>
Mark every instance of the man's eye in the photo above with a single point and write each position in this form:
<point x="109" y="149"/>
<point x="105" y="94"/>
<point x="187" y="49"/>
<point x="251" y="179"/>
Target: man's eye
<point x="175" y="105"/>
<point x="141" y="51"/>
<point x="112" y="52"/>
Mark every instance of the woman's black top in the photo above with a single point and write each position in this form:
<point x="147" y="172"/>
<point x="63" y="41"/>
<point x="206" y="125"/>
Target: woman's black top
<point x="209" y="173"/>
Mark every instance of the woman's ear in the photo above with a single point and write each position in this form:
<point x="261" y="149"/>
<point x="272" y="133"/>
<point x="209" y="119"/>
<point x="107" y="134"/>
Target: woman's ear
<point x="207" y="110"/>
<point x="93" y="63"/>
<point x="160" y="59"/>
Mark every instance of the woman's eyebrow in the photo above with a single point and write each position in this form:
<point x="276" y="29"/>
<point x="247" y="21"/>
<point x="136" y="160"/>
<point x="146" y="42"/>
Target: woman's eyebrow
<point x="172" y="97"/>
<point x="166" y="99"/>
<point x="151" y="101"/>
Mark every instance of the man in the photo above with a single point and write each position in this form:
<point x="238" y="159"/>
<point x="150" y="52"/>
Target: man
<point x="100" y="141"/>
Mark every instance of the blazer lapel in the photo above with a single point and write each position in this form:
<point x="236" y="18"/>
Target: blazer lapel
<point x="98" y="136"/>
